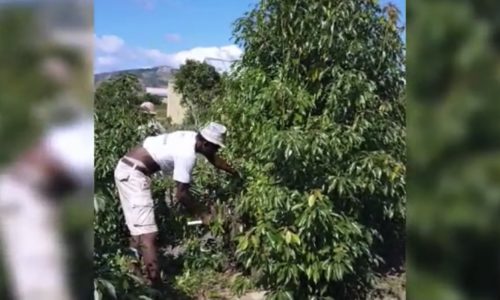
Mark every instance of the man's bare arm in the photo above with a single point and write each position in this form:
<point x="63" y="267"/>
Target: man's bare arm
<point x="193" y="207"/>
<point x="183" y="196"/>
<point x="221" y="164"/>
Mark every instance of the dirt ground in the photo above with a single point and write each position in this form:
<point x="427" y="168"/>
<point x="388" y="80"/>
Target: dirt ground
<point x="390" y="287"/>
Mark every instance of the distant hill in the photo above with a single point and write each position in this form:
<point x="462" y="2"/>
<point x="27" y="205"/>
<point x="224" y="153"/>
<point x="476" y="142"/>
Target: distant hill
<point x="149" y="77"/>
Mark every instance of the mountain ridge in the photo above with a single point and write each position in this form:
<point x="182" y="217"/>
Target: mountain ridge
<point x="157" y="77"/>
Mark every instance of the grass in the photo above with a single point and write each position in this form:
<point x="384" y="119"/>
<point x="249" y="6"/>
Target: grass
<point x="208" y="284"/>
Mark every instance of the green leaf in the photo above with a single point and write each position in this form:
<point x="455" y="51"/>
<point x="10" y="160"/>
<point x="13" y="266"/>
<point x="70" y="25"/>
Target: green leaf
<point x="329" y="271"/>
<point x="309" y="272"/>
<point x="243" y="244"/>
<point x="311" y="200"/>
<point x="288" y="237"/>
<point x="255" y="241"/>
<point x="248" y="262"/>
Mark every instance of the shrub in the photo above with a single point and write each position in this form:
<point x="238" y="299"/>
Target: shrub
<point x="315" y="111"/>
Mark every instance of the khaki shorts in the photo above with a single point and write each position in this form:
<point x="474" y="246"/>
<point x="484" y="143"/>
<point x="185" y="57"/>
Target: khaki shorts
<point x="134" y="189"/>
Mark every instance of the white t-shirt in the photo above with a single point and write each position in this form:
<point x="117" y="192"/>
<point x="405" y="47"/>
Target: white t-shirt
<point x="72" y="145"/>
<point x="174" y="153"/>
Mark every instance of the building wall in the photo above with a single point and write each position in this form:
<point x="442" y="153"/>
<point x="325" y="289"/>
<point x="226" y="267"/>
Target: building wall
<point x="174" y="108"/>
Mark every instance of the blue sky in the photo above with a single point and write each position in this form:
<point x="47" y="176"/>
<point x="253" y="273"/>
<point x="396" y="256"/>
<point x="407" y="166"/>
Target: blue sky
<point x="145" y="33"/>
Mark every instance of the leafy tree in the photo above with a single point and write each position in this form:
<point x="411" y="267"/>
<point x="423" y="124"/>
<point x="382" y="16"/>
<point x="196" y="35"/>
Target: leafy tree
<point x="316" y="119"/>
<point x="199" y="84"/>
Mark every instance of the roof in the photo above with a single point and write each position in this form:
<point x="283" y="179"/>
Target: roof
<point x="220" y="65"/>
<point x="157" y="91"/>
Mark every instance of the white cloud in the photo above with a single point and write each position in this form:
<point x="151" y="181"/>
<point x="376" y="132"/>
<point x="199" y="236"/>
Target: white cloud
<point x="106" y="61"/>
<point x="230" y="52"/>
<point x="114" y="54"/>
<point x="108" y="43"/>
<point x="173" y="37"/>
<point x="156" y="56"/>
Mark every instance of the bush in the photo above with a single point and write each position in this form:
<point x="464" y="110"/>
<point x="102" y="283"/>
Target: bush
<point x="117" y="118"/>
<point x="315" y="111"/>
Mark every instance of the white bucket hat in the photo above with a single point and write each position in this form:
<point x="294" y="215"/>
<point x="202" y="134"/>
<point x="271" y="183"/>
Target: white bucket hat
<point x="214" y="133"/>
<point x="148" y="107"/>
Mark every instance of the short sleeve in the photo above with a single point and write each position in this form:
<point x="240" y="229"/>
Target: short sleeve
<point x="183" y="168"/>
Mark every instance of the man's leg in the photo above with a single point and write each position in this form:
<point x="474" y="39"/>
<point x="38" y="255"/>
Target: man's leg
<point x="138" y="207"/>
<point x="150" y="256"/>
<point x="134" y="245"/>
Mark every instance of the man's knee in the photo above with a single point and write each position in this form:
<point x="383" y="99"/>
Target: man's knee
<point x="148" y="246"/>
<point x="148" y="239"/>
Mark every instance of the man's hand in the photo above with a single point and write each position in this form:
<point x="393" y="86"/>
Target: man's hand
<point x="193" y="207"/>
<point x="206" y="218"/>
<point x="183" y="196"/>
<point x="221" y="164"/>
